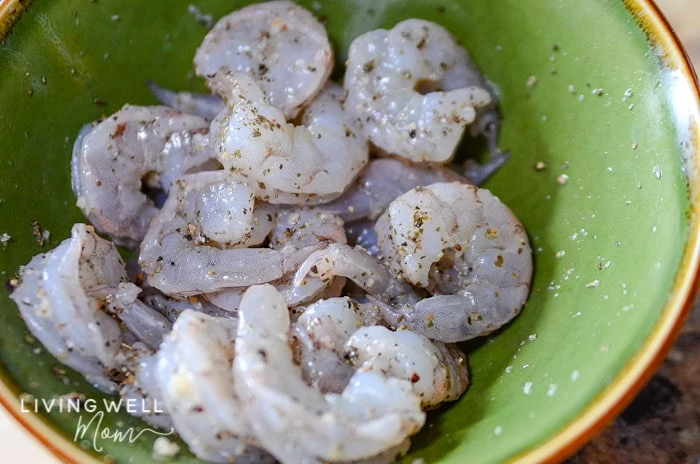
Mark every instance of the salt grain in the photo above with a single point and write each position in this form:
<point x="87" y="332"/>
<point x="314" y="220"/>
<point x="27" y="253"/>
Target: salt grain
<point x="163" y="447"/>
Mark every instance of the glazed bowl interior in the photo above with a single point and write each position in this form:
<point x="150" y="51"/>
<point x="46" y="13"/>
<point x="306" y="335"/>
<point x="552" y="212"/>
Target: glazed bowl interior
<point x="583" y="90"/>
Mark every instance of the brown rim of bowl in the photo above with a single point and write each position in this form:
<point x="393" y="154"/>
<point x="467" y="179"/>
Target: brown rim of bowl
<point x="611" y="401"/>
<point x="10" y="11"/>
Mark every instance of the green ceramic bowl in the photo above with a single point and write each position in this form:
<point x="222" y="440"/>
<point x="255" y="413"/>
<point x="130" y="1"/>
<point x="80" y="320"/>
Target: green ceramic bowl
<point x="599" y="91"/>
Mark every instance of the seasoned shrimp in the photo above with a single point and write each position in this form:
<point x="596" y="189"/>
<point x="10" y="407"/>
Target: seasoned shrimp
<point x="188" y="249"/>
<point x="321" y="332"/>
<point x="380" y="182"/>
<point x="297" y="423"/>
<point x="335" y="340"/>
<point x="308" y="164"/>
<point x="453" y="241"/>
<point x="134" y="147"/>
<point x="437" y="371"/>
<point x="413" y="89"/>
<point x="141" y="387"/>
<point x="55" y="302"/>
<point x="294" y="229"/>
<point x="195" y="379"/>
<point x="171" y="308"/>
<point x="146" y="324"/>
<point x="279" y="44"/>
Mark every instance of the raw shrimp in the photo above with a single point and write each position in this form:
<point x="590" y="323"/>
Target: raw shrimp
<point x="297" y="423"/>
<point x="454" y="241"/>
<point x="146" y="324"/>
<point x="380" y="182"/>
<point x="134" y="147"/>
<point x="438" y="371"/>
<point x="171" y="308"/>
<point x="294" y="228"/>
<point x="195" y="380"/>
<point x="321" y="332"/>
<point x="187" y="249"/>
<point x="308" y="164"/>
<point x="279" y="44"/>
<point x="361" y="233"/>
<point x="54" y="300"/>
<point x="141" y="387"/>
<point x="413" y="89"/>
<point x="335" y="340"/>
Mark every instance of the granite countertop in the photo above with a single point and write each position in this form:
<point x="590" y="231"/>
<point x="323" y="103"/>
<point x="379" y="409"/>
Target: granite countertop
<point x="662" y="425"/>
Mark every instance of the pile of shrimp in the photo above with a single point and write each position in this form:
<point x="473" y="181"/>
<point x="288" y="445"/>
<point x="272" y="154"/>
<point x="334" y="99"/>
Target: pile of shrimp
<point x="308" y="255"/>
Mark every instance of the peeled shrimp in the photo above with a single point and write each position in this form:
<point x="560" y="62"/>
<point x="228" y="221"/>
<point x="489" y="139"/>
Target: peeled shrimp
<point x="293" y="230"/>
<point x="413" y="89"/>
<point x="187" y="250"/>
<point x="115" y="158"/>
<point x="146" y="324"/>
<point x="437" y="371"/>
<point x="465" y="253"/>
<point x="278" y="44"/>
<point x="142" y="388"/>
<point x="321" y="332"/>
<point x="311" y="163"/>
<point x="55" y="302"/>
<point x="295" y="422"/>
<point x="335" y="341"/>
<point x="195" y="380"/>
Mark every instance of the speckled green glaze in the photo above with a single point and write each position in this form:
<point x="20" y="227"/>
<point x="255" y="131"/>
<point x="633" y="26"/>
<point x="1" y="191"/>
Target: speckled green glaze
<point x="582" y="91"/>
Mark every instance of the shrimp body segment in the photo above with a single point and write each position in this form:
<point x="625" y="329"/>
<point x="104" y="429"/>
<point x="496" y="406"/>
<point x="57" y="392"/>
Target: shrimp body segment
<point x="113" y="160"/>
<point x="195" y="380"/>
<point x="437" y="371"/>
<point x="307" y="164"/>
<point x="195" y="242"/>
<point x="55" y="300"/>
<point x="278" y="44"/>
<point x="453" y="241"/>
<point x="413" y="89"/>
<point x="464" y="246"/>
<point x="297" y="423"/>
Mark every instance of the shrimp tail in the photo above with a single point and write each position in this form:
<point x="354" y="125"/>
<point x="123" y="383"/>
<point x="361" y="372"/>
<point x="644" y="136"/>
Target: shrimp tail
<point x="204" y="105"/>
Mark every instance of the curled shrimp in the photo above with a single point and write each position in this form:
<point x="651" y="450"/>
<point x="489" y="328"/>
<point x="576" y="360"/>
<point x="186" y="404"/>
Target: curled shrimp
<point x="466" y="254"/>
<point x="297" y="423"/>
<point x="195" y="380"/>
<point x="321" y="332"/>
<point x="279" y="44"/>
<point x="135" y="147"/>
<point x="55" y="301"/>
<point x="283" y="163"/>
<point x="413" y="89"/>
<point x="437" y="371"/>
<point x="196" y="242"/>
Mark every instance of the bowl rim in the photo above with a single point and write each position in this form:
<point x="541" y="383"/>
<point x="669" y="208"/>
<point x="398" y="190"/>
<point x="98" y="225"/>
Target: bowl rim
<point x="609" y="403"/>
